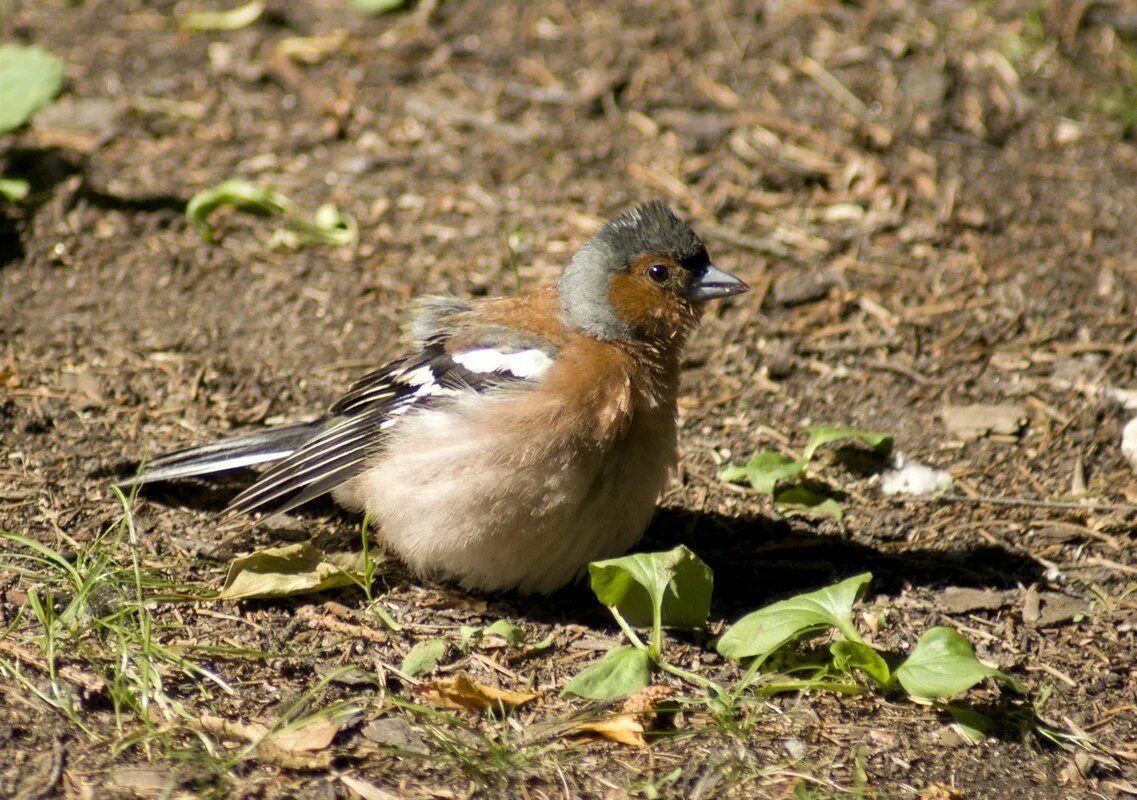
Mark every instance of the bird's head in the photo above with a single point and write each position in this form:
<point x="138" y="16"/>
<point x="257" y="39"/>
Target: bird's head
<point x="643" y="275"/>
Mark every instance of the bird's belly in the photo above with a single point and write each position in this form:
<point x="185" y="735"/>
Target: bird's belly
<point x="450" y="501"/>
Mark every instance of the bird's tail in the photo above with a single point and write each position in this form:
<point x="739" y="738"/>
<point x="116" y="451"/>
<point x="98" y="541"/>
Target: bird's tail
<point x="241" y="451"/>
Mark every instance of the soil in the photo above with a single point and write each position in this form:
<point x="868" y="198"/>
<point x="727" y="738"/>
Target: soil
<point x="935" y="204"/>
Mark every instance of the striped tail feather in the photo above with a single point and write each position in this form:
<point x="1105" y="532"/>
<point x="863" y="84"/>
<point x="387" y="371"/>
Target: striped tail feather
<point x="262" y="447"/>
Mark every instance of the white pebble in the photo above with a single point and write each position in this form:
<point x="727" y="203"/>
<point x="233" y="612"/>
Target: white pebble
<point x="1129" y="442"/>
<point x="913" y="478"/>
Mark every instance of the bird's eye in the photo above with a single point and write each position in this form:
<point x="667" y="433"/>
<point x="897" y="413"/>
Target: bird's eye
<point x="658" y="272"/>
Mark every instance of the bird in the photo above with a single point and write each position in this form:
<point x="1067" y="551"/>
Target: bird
<point x="521" y="437"/>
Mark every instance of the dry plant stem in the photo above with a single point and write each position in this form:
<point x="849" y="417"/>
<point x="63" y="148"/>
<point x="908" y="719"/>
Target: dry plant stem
<point x="627" y="629"/>
<point x="92" y="684"/>
<point x="1032" y="502"/>
<point x="258" y="747"/>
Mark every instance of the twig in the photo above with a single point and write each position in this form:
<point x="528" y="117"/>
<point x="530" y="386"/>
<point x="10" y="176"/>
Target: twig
<point x="318" y="620"/>
<point x="826" y="80"/>
<point x="1097" y="561"/>
<point x="1030" y="502"/>
<point x="899" y="369"/>
<point x="53" y="775"/>
<point x="93" y="684"/>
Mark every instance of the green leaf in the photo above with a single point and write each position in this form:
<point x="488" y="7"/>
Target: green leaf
<point x="292" y="569"/>
<point x="807" y="501"/>
<point x="676" y="582"/>
<point x="822" y="436"/>
<point x="14" y="189"/>
<point x="764" y="470"/>
<point x="972" y="725"/>
<point x="760" y="633"/>
<point x="622" y="671"/>
<point x="848" y="655"/>
<point x="506" y="630"/>
<point x="231" y="20"/>
<point x="943" y="664"/>
<point x="374" y="7"/>
<point x="30" y="78"/>
<point x="424" y="656"/>
<point x="503" y="628"/>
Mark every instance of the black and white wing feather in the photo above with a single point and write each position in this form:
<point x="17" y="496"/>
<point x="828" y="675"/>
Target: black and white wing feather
<point x="358" y="424"/>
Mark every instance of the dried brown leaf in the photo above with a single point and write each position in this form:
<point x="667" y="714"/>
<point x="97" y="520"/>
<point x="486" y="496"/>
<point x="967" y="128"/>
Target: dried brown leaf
<point x="289" y="570"/>
<point x="461" y="692"/>
<point x="366" y="790"/>
<point x="306" y="738"/>
<point x="622" y="728"/>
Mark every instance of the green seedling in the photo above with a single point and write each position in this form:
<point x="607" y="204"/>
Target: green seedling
<point x="328" y="226"/>
<point x="785" y="478"/>
<point x="503" y="629"/>
<point x="425" y="656"/>
<point x="231" y="20"/>
<point x="429" y="653"/>
<point x="941" y="665"/>
<point x="655" y="590"/>
<point x="376" y="7"/>
<point x="14" y="189"/>
<point x="30" y="78"/>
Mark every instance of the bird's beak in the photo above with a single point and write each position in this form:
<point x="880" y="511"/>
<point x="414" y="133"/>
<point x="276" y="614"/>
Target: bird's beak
<point x="715" y="284"/>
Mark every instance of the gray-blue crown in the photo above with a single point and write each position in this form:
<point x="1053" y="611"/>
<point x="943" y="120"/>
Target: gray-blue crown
<point x="650" y="228"/>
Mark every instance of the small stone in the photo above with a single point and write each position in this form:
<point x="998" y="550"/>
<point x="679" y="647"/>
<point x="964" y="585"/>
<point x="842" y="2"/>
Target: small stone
<point x="1059" y="608"/>
<point x="795" y="748"/>
<point x="962" y="600"/>
<point x="779" y="358"/>
<point x="805" y="287"/>
<point x="981" y="419"/>
<point x="1032" y="606"/>
<point x="394" y="732"/>
<point x="914" y="479"/>
<point x="1129" y="442"/>
<point x="1067" y="132"/>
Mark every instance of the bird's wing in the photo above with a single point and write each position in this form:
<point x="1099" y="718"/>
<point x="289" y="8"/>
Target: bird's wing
<point x="358" y="423"/>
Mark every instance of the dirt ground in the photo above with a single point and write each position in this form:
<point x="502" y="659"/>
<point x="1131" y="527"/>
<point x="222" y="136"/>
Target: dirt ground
<point x="936" y="205"/>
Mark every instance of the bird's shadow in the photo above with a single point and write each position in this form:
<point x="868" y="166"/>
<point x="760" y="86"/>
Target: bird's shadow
<point x="755" y="559"/>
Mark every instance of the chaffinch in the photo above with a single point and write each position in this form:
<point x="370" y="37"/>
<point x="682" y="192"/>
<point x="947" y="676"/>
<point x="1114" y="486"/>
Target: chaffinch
<point x="524" y="436"/>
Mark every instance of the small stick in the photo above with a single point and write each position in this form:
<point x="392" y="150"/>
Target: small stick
<point x="93" y="684"/>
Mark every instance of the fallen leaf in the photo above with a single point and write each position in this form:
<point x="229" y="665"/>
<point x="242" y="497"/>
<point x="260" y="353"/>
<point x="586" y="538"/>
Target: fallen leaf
<point x="292" y="747"/>
<point x="461" y="692"/>
<point x="622" y="728"/>
<point x="144" y="781"/>
<point x="937" y="791"/>
<point x="981" y="419"/>
<point x="292" y="569"/>
<point x="637" y="713"/>
<point x="307" y="737"/>
<point x="368" y="791"/>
